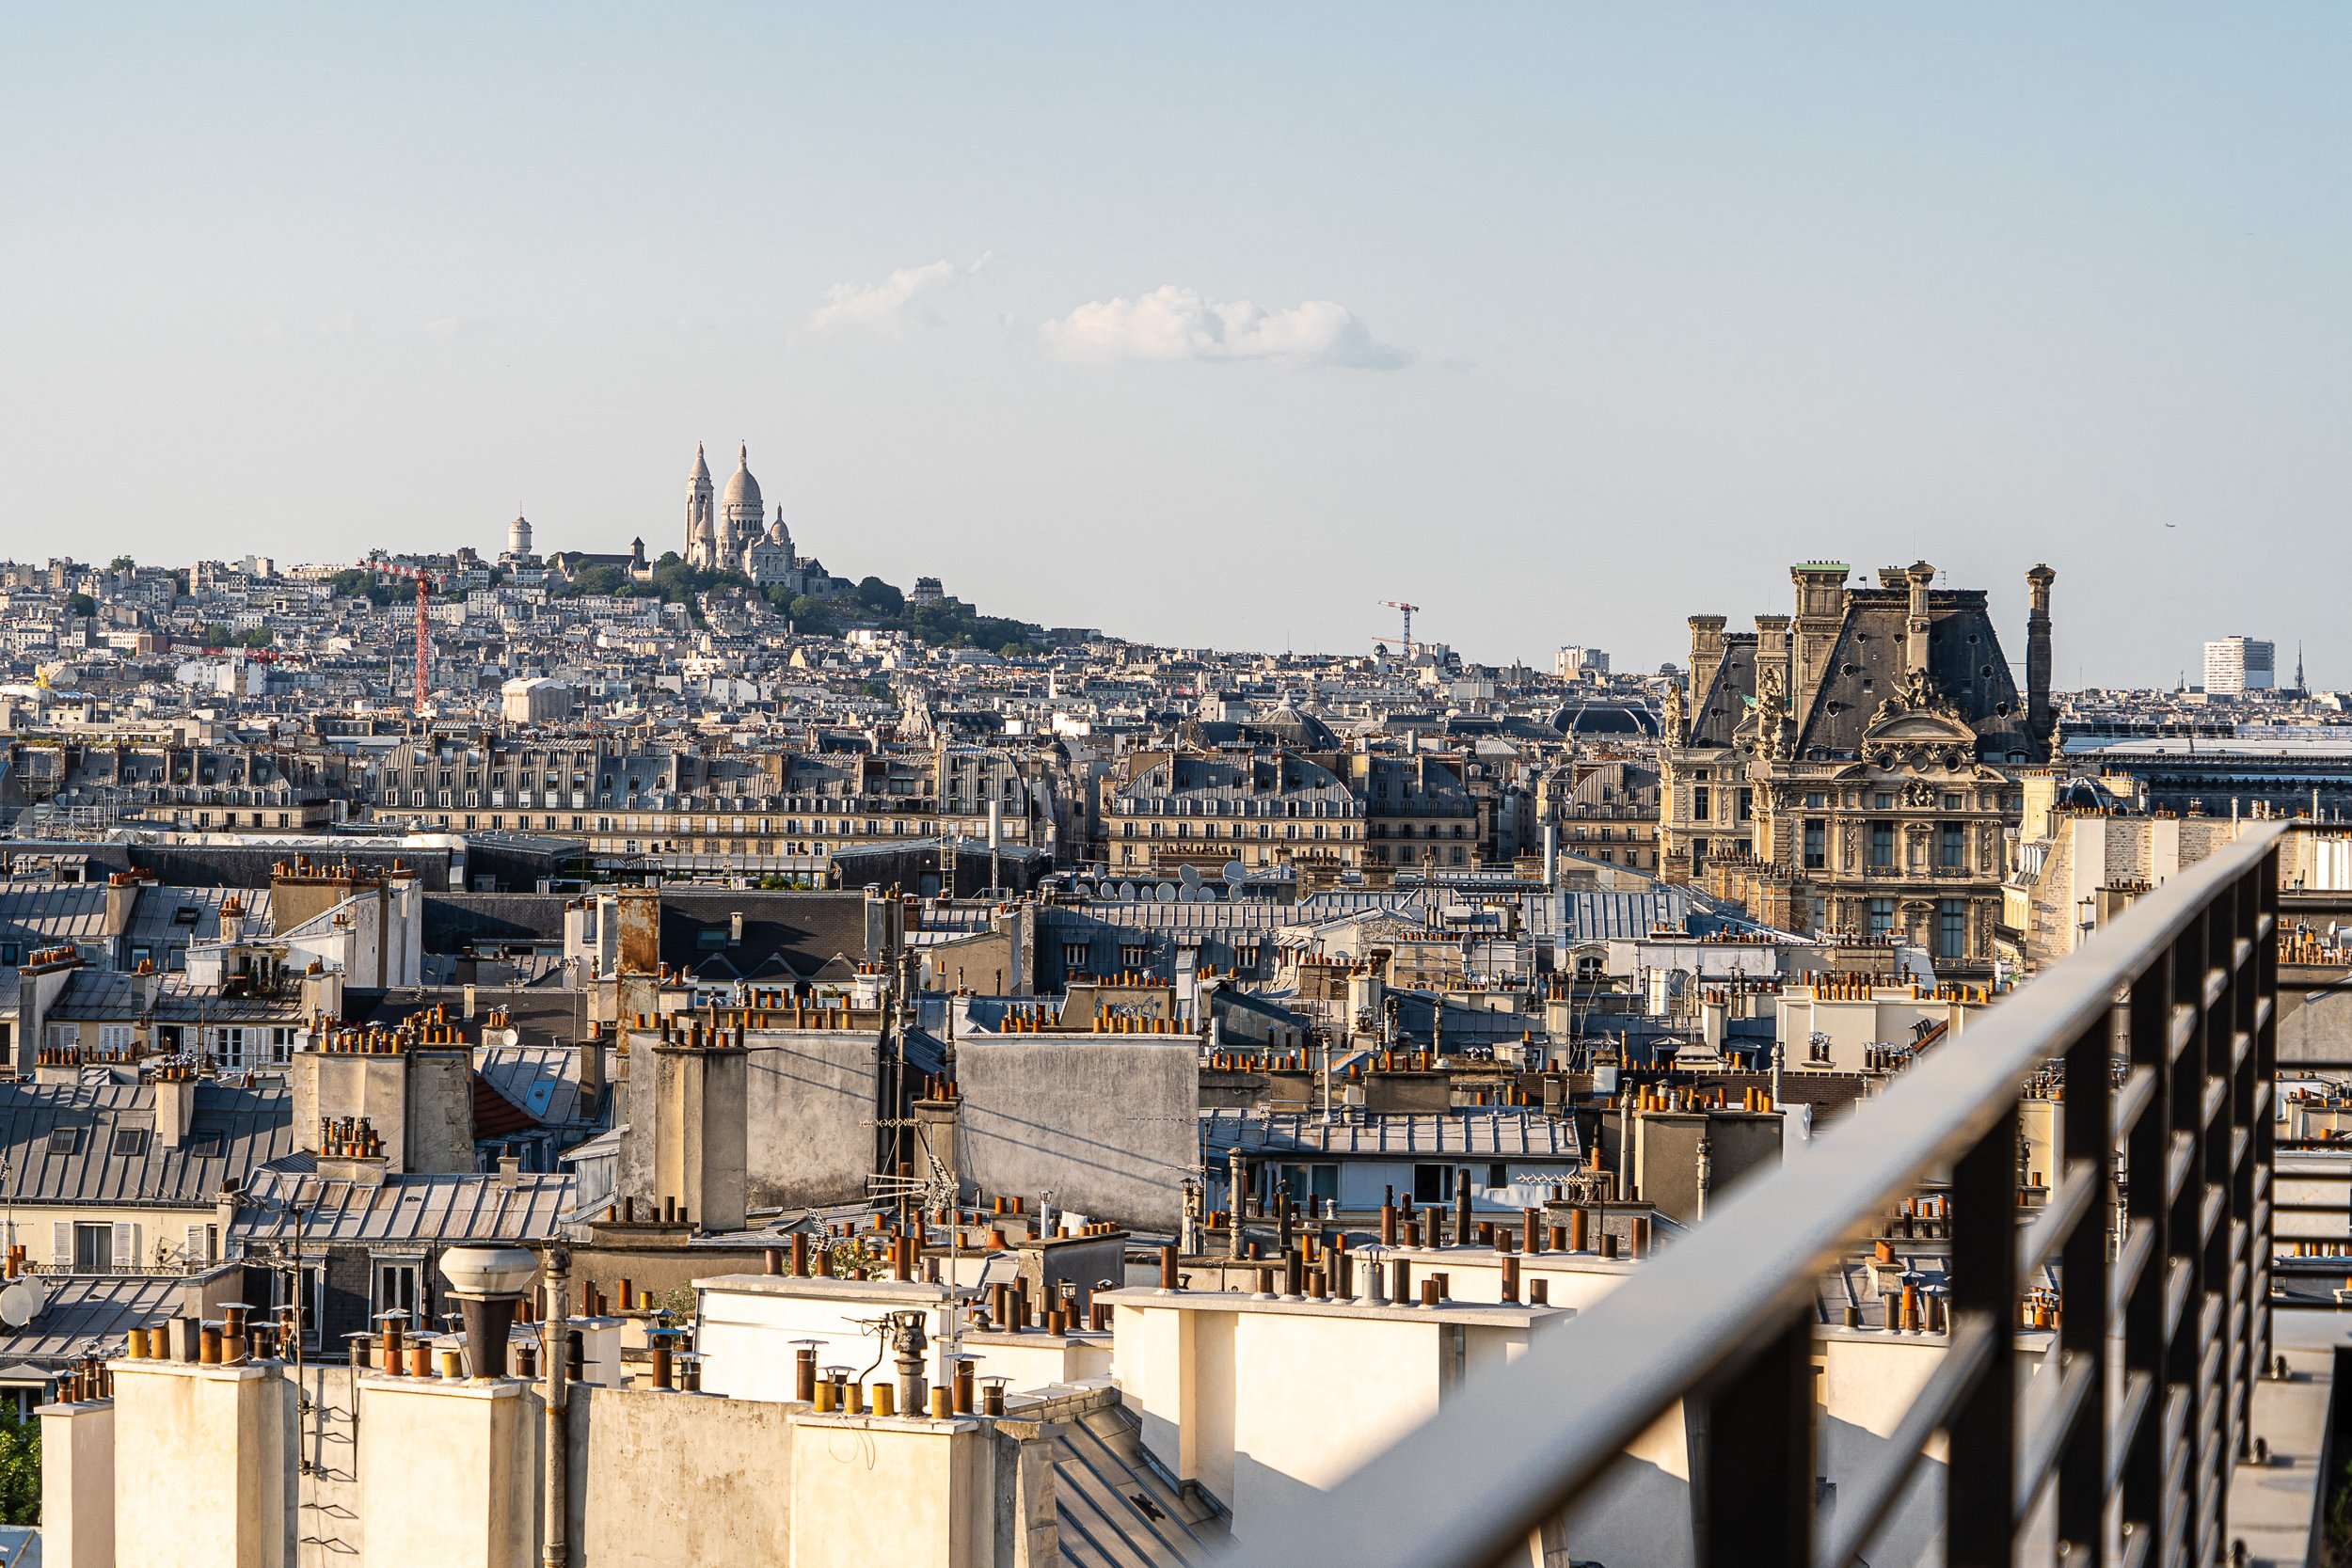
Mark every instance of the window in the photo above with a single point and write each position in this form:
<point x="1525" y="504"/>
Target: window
<point x="1882" y="844"/>
<point x="1075" y="956"/>
<point x="131" y="1141"/>
<point x="1814" y="799"/>
<point x="1951" y="802"/>
<point x="1951" y="929"/>
<point x="396" y="1289"/>
<point x="114" y="1036"/>
<point x="1882" y="917"/>
<point x="94" y="1248"/>
<point x="1320" y="1183"/>
<point x="1700" y="805"/>
<point x="65" y="1140"/>
<point x="1951" y="849"/>
<point x="312" y="1306"/>
<point x="1882" y="802"/>
<point x="204" y="1147"/>
<point x="1816" y="846"/>
<point x="1745" y="804"/>
<point x="202" y="1248"/>
<point x="1433" y="1183"/>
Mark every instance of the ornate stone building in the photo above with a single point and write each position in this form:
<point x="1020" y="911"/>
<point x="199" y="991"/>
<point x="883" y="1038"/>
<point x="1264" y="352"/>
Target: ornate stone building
<point x="1853" y="768"/>
<point x="727" y="533"/>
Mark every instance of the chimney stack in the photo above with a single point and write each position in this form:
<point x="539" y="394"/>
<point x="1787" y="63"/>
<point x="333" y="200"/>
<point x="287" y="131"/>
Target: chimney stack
<point x="2038" y="718"/>
<point x="1919" y="577"/>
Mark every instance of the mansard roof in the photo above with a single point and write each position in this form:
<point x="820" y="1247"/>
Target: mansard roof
<point x="1865" y="668"/>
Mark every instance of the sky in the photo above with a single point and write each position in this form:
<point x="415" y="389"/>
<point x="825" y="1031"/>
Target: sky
<point x="1215" y="326"/>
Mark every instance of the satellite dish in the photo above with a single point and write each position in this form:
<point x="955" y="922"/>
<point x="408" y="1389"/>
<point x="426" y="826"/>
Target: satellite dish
<point x="1189" y="874"/>
<point x="1126" y="893"/>
<point x="1236" y="871"/>
<point x="1166" y="893"/>
<point x="22" y="1302"/>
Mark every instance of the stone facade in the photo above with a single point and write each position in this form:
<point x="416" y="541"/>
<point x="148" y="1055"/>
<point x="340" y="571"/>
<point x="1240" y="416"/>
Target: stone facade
<point x="1856" y="767"/>
<point x="727" y="533"/>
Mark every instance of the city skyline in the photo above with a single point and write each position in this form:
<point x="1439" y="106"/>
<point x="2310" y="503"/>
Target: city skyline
<point x="1561" y="324"/>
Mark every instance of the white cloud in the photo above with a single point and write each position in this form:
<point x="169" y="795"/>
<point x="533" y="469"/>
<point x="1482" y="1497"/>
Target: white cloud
<point x="1171" y="323"/>
<point x="894" y="302"/>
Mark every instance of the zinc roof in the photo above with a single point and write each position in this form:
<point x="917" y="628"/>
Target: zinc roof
<point x="1498" y="1132"/>
<point x="447" y="1208"/>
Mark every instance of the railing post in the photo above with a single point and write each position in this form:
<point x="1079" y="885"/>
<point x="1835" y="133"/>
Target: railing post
<point x="1980" y="1518"/>
<point x="2245" y="995"/>
<point x="1757" y="1475"/>
<point x="2266" y="1149"/>
<point x="2084" y="1316"/>
<point x="2147" y="1145"/>
<point x="2184" y="1274"/>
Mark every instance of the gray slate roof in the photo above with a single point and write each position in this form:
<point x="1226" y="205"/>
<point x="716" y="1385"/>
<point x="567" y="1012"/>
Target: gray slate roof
<point x="243" y="1127"/>
<point x="1497" y="1131"/>
<point x="91" y="1312"/>
<point x="443" y="1208"/>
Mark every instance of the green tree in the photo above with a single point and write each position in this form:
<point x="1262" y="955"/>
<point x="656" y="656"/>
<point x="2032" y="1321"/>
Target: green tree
<point x="80" y="604"/>
<point x="812" y="615"/>
<point x="122" y="563"/>
<point x="879" y="597"/>
<point x="599" y="579"/>
<point x="20" y="1467"/>
<point x="257" y="637"/>
<point x="217" y="636"/>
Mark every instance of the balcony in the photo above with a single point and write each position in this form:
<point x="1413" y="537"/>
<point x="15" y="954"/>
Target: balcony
<point x="2112" y="1436"/>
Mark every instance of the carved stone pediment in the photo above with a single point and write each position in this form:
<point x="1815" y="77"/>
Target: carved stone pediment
<point x="1919" y="728"/>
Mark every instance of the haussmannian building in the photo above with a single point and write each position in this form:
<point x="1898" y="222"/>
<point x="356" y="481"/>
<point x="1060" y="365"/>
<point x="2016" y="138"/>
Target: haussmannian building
<point x="1855" y="767"/>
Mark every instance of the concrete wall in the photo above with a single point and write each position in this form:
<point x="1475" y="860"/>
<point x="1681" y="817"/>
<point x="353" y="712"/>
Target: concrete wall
<point x="440" y="1111"/>
<point x="1869" y="1381"/>
<point x="1107" y="1122"/>
<point x="700" y="1154"/>
<point x="77" y="1485"/>
<point x="659" y="1481"/>
<point x="872" y="1489"/>
<point x="2315" y="1016"/>
<point x="419" y="1101"/>
<point x="748" y="1323"/>
<point x="809" y="1098"/>
<point x="449" y="1473"/>
<point x="220" y="1433"/>
<point x="1263" y="1402"/>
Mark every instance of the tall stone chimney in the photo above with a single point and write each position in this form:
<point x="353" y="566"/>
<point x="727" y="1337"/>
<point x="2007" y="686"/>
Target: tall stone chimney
<point x="1813" y="632"/>
<point x="2038" y="718"/>
<point x="701" y="1136"/>
<point x="1919" y="576"/>
<point x="1707" y="657"/>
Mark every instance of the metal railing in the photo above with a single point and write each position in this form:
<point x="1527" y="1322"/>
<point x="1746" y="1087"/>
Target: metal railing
<point x="2169" y="1275"/>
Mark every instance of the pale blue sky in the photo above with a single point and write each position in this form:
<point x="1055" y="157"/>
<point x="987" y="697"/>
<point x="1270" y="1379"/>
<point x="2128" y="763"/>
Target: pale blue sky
<point x="1622" y="309"/>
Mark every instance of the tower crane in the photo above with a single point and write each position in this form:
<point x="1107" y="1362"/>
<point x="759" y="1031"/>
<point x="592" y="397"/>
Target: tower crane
<point x="1407" y="610"/>
<point x="425" y="580"/>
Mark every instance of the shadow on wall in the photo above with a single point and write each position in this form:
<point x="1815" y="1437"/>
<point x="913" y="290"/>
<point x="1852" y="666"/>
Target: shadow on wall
<point x="1638" y="1514"/>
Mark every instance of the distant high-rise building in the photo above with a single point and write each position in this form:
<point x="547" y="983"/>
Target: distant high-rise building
<point x="1573" y="662"/>
<point x="2238" y="664"/>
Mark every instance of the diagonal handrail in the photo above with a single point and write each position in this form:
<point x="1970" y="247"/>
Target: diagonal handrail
<point x="1518" y="1444"/>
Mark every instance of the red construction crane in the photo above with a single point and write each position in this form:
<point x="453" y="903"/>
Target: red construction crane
<point x="424" y="580"/>
<point x="1408" y="608"/>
